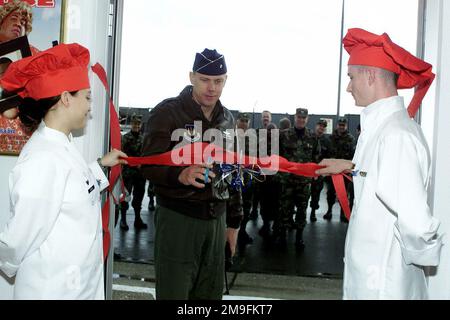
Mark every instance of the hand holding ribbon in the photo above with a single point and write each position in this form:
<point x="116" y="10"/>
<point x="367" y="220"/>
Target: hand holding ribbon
<point x="196" y="153"/>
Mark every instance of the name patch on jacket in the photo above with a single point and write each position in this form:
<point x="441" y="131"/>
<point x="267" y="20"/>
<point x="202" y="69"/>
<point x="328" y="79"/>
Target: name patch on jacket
<point x="360" y="173"/>
<point x="191" y="135"/>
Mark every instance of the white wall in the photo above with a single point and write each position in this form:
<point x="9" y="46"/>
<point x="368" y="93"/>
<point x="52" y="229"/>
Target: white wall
<point x="86" y="24"/>
<point x="6" y="165"/>
<point x="436" y="114"/>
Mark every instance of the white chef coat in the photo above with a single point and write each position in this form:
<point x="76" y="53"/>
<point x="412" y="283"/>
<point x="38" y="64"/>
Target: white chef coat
<point x="53" y="242"/>
<point x="392" y="233"/>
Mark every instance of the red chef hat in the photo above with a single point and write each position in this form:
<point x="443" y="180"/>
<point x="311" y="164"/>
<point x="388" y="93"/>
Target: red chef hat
<point x="49" y="73"/>
<point x="368" y="49"/>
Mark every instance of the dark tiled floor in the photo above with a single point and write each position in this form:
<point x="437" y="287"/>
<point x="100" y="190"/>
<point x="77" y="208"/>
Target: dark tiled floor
<point x="323" y="254"/>
<point x="133" y="245"/>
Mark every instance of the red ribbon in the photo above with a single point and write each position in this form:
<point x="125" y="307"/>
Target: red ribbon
<point x="341" y="193"/>
<point x="198" y="153"/>
<point x="116" y="143"/>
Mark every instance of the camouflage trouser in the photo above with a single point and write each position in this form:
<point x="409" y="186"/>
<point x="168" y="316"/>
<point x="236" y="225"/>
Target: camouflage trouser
<point x="134" y="183"/>
<point x="295" y="192"/>
<point x="247" y="200"/>
<point x="270" y="191"/>
<point x="316" y="190"/>
<point x="151" y="193"/>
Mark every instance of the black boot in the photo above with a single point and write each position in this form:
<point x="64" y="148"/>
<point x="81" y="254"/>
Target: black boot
<point x="264" y="232"/>
<point x="244" y="238"/>
<point x="328" y="216"/>
<point x="343" y="217"/>
<point x="138" y="223"/>
<point x="312" y="217"/>
<point x="123" y="225"/>
<point x="299" y="243"/>
<point x="123" y="221"/>
<point x="281" y="238"/>
<point x="253" y="215"/>
<point x="291" y="224"/>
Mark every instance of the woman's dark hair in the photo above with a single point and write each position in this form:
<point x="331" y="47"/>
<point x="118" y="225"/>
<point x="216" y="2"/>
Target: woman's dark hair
<point x="5" y="60"/>
<point x="32" y="112"/>
<point x="272" y="126"/>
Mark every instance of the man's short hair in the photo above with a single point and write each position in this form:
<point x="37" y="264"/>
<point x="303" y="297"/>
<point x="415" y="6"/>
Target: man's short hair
<point x="272" y="126"/>
<point x="5" y="60"/>
<point x="285" y="123"/>
<point x="388" y="76"/>
<point x="18" y="5"/>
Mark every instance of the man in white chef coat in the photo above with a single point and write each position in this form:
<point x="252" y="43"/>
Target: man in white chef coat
<point x="392" y="234"/>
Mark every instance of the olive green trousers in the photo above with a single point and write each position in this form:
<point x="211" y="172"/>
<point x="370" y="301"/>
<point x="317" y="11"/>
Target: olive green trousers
<point x="189" y="256"/>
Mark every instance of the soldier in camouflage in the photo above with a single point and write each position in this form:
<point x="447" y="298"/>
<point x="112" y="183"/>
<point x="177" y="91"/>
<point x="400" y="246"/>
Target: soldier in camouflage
<point x="342" y="147"/>
<point x="297" y="145"/>
<point x="243" y="124"/>
<point x="132" y="177"/>
<point x="270" y="187"/>
<point x="285" y="124"/>
<point x="266" y="119"/>
<point x="325" y="153"/>
<point x="151" y="188"/>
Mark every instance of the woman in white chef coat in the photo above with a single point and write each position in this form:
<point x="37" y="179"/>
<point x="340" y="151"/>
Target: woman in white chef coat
<point x="53" y="241"/>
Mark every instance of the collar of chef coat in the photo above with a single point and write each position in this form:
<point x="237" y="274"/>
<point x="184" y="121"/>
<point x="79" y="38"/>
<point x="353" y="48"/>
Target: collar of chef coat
<point x="67" y="141"/>
<point x="374" y="114"/>
<point x="372" y="117"/>
<point x="54" y="135"/>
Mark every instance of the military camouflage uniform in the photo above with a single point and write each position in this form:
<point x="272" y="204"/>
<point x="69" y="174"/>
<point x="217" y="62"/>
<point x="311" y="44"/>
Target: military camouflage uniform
<point x="317" y="185"/>
<point x="270" y="191"/>
<point x="132" y="177"/>
<point x="296" y="190"/>
<point x="255" y="191"/>
<point x="151" y="196"/>
<point x="247" y="194"/>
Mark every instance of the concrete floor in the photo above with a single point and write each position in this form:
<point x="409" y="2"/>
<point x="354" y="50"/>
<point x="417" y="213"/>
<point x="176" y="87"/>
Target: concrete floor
<point x="131" y="278"/>
<point x="323" y="254"/>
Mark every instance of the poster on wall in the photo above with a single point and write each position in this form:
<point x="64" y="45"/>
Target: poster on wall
<point x="330" y="127"/>
<point x="40" y="23"/>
